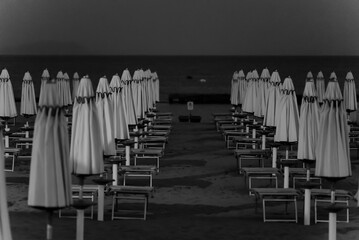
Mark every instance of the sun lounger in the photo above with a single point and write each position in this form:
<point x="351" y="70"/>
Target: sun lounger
<point x="229" y="135"/>
<point x="301" y="174"/>
<point x="259" y="173"/>
<point x="137" y="171"/>
<point x="286" y="195"/>
<point x="250" y="155"/>
<point x="13" y="154"/>
<point x="20" y="142"/>
<point x="148" y="154"/>
<point x="320" y="196"/>
<point x="89" y="192"/>
<point x="133" y="194"/>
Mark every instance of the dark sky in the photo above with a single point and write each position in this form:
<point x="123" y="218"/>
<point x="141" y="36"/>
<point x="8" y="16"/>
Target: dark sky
<point x="167" y="27"/>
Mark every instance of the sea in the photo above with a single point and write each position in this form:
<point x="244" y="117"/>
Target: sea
<point x="180" y="75"/>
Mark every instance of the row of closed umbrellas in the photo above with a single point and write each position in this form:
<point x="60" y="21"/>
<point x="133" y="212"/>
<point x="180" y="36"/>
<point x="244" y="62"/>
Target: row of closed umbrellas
<point x="322" y="132"/>
<point x="98" y="118"/>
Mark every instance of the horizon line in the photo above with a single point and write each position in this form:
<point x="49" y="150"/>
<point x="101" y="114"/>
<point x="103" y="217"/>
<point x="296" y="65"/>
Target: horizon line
<point x="166" y="55"/>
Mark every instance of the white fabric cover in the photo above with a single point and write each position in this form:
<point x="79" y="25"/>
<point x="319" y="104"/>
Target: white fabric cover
<point x="332" y="152"/>
<point x="75" y="84"/>
<point x="44" y="77"/>
<point x="320" y="86"/>
<point x="105" y="115"/>
<point x="287" y="126"/>
<point x="129" y="101"/>
<point x="118" y="101"/>
<point x="7" y="100"/>
<point x="50" y="170"/>
<point x="86" y="153"/>
<point x="28" y="99"/>
<point x="350" y="93"/>
<point x="272" y="100"/>
<point x="308" y="122"/>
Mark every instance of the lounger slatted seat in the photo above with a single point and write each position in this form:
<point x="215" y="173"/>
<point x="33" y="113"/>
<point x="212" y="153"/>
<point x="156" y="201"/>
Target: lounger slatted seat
<point x="260" y="173"/>
<point x="286" y="195"/>
<point x="138" y="171"/>
<point x="148" y="154"/>
<point x="250" y="155"/>
<point x="130" y="193"/>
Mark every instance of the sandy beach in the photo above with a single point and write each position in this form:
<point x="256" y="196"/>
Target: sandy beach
<point x="198" y="195"/>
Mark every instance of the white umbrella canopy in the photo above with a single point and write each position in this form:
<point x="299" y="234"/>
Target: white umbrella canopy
<point x="67" y="92"/>
<point x="262" y="93"/>
<point x="272" y="101"/>
<point x="234" y="89"/>
<point x="137" y="94"/>
<point x="242" y="87"/>
<point x="320" y="86"/>
<point x="332" y="152"/>
<point x="28" y="100"/>
<point x="50" y="170"/>
<point x="7" y="100"/>
<point x="157" y="86"/>
<point x="106" y="118"/>
<point x="150" y="92"/>
<point x="120" y="117"/>
<point x="75" y="84"/>
<point x="5" y="230"/>
<point x="250" y="98"/>
<point x="44" y="77"/>
<point x="61" y="87"/>
<point x="308" y="122"/>
<point x="288" y="119"/>
<point x="129" y="101"/>
<point x="144" y="91"/>
<point x="350" y="95"/>
<point x="86" y="152"/>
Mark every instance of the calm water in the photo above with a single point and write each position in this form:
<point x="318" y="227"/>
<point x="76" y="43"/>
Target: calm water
<point x="178" y="74"/>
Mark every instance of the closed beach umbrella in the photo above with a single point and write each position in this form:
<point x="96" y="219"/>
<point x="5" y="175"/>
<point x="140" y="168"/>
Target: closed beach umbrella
<point x="50" y="170"/>
<point x="44" y="77"/>
<point x="234" y="89"/>
<point x="137" y="96"/>
<point x="67" y="92"/>
<point x="5" y="231"/>
<point x="157" y="86"/>
<point x="28" y="100"/>
<point x="308" y="134"/>
<point x="287" y="122"/>
<point x="7" y="100"/>
<point x="118" y="101"/>
<point x="61" y="87"/>
<point x="105" y="114"/>
<point x="144" y="91"/>
<point x="308" y="122"/>
<point x="250" y="99"/>
<point x="272" y="100"/>
<point x="288" y="119"/>
<point x="320" y="86"/>
<point x="129" y="101"/>
<point x="242" y="87"/>
<point x="262" y="93"/>
<point x="75" y="84"/>
<point x="332" y="153"/>
<point x="86" y="153"/>
<point x="350" y="95"/>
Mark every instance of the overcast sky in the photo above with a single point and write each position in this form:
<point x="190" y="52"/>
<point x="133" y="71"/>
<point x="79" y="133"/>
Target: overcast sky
<point x="185" y="27"/>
